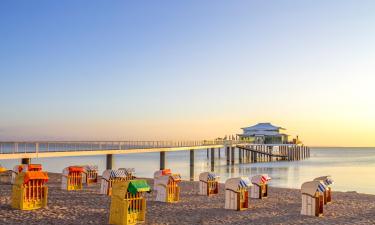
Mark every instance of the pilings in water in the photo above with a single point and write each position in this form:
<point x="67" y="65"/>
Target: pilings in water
<point x="267" y="153"/>
<point x="212" y="159"/>
<point x="227" y="151"/>
<point x="162" y="160"/>
<point x="191" y="165"/>
<point x="232" y="155"/>
<point x="109" y="161"/>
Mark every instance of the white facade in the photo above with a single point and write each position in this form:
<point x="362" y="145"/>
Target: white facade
<point x="208" y="183"/>
<point x="259" y="189"/>
<point x="237" y="193"/>
<point x="312" y="198"/>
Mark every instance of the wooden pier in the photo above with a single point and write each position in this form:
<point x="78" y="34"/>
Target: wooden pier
<point x="247" y="153"/>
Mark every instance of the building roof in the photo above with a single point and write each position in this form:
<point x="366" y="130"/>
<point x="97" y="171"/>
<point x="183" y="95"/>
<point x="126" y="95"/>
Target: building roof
<point x="263" y="127"/>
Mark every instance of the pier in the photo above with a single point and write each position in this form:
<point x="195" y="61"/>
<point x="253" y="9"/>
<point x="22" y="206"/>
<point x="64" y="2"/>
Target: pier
<point x="247" y="153"/>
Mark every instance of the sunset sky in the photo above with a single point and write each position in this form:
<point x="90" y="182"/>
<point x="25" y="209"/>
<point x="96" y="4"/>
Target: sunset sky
<point x="148" y="70"/>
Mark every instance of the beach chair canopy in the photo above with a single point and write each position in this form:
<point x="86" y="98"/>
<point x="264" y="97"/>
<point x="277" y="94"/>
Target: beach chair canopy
<point x="24" y="177"/>
<point x="167" y="178"/>
<point x="207" y="176"/>
<point x="237" y="183"/>
<point x="109" y="174"/>
<point x="311" y="187"/>
<point x="136" y="186"/>
<point x="260" y="179"/>
<point x="162" y="173"/>
<point x="327" y="180"/>
<point x="121" y="188"/>
<point x="128" y="171"/>
<point x="88" y="168"/>
<point x="73" y="169"/>
<point x="34" y="167"/>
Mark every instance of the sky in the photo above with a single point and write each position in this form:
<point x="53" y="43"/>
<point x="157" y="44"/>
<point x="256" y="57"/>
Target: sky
<point x="187" y="70"/>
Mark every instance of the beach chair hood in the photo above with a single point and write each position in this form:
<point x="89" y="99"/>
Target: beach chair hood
<point x="311" y="187"/>
<point x="121" y="188"/>
<point x="162" y="173"/>
<point x="34" y="167"/>
<point x="327" y="180"/>
<point x="128" y="171"/>
<point x="136" y="186"/>
<point x="25" y="177"/>
<point x="237" y="183"/>
<point x="88" y="168"/>
<point x="73" y="169"/>
<point x="260" y="179"/>
<point x="207" y="176"/>
<point x="108" y="174"/>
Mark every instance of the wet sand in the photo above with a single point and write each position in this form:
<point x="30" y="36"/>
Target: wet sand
<point x="281" y="207"/>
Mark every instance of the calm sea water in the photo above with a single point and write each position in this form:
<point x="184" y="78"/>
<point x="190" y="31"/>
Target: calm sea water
<point x="353" y="169"/>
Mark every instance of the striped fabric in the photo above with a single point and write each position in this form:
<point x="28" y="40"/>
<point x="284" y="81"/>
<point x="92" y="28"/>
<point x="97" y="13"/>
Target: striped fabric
<point x="117" y="173"/>
<point x="321" y="188"/>
<point x="328" y="181"/>
<point x="91" y="168"/>
<point x="265" y="178"/>
<point x="244" y="184"/>
<point x="212" y="176"/>
<point x="128" y="171"/>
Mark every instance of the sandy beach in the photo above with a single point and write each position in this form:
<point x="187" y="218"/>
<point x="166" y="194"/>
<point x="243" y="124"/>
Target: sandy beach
<point x="281" y="207"/>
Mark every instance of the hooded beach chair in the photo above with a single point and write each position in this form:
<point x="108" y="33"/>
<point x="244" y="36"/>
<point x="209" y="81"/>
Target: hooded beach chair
<point x="72" y="178"/>
<point x="327" y="181"/>
<point x="237" y="193"/>
<point x="167" y="188"/>
<point x="24" y="168"/>
<point x="208" y="184"/>
<point x="29" y="190"/>
<point x="312" y="198"/>
<point x="90" y="174"/>
<point x="160" y="173"/>
<point x="110" y="177"/>
<point x="259" y="189"/>
<point x="128" y="204"/>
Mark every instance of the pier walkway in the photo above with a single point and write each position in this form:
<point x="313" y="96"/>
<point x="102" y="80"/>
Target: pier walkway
<point x="247" y="153"/>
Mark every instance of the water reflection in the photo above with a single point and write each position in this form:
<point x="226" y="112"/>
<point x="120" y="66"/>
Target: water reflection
<point x="344" y="164"/>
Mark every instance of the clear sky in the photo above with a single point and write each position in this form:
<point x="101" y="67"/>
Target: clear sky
<point x="168" y="69"/>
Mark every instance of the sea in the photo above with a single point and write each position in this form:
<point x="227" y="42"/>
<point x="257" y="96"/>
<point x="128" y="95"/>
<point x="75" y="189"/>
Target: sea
<point x="352" y="169"/>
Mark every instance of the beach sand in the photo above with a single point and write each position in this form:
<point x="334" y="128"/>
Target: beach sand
<point x="281" y="207"/>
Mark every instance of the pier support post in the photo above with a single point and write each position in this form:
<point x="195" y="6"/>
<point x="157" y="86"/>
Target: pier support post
<point x="208" y="153"/>
<point x="191" y="165"/>
<point x="109" y="161"/>
<point x="232" y="155"/>
<point x="239" y="155"/>
<point x="227" y="151"/>
<point x="162" y="160"/>
<point x="25" y="161"/>
<point x="212" y="159"/>
<point x="219" y="150"/>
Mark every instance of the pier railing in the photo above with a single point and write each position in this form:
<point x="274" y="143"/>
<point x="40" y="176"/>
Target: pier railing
<point x="69" y="146"/>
